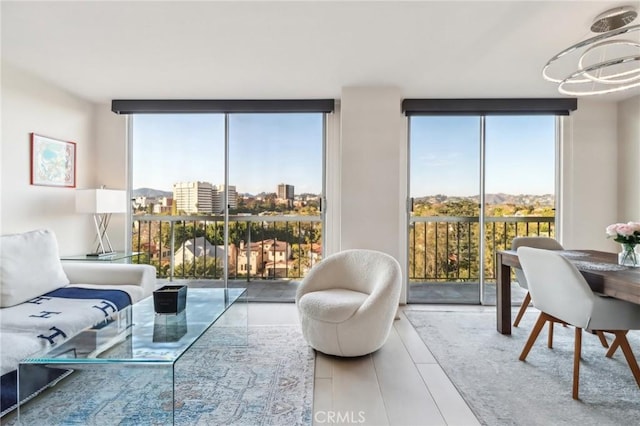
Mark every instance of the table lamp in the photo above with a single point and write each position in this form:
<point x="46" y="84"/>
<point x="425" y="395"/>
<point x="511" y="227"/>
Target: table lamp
<point x="101" y="203"/>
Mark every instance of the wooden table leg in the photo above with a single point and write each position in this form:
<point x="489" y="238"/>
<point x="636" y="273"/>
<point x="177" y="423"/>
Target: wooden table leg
<point x="503" y="296"/>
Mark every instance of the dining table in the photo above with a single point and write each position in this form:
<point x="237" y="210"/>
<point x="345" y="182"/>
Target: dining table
<point x="600" y="269"/>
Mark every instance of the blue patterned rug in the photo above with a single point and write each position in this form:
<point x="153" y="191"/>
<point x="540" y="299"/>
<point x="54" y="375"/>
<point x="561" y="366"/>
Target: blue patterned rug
<point x="501" y="390"/>
<point x="268" y="382"/>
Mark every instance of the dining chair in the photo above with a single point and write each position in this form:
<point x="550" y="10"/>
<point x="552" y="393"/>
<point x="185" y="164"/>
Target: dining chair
<point x="547" y="243"/>
<point x="574" y="303"/>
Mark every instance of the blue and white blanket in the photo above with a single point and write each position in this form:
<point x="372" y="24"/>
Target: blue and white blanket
<point x="39" y="324"/>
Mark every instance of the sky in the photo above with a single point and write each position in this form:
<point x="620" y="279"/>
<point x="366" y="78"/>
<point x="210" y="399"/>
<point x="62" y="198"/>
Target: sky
<point x="268" y="149"/>
<point x="264" y="151"/>
<point x="445" y="155"/>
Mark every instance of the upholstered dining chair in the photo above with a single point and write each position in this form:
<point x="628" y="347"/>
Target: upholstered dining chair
<point x="347" y="302"/>
<point x="547" y="243"/>
<point x="562" y="295"/>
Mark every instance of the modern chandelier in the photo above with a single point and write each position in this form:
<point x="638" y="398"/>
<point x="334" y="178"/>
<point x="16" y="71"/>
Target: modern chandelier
<point x="605" y="63"/>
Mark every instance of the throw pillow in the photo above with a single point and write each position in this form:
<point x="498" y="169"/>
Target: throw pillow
<point x="29" y="266"/>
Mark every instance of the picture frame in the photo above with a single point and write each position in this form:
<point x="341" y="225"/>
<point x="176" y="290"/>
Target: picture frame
<point x="53" y="162"/>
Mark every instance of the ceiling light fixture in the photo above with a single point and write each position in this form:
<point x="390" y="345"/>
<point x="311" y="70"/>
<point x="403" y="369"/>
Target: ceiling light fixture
<point x="608" y="62"/>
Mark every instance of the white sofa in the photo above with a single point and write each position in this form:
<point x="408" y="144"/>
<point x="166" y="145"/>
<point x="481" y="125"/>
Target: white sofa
<point x="44" y="301"/>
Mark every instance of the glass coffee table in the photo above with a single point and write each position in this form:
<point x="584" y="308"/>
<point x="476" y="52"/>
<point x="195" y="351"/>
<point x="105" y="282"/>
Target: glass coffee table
<point x="137" y="337"/>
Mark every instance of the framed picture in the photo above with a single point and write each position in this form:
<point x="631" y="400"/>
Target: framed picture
<point x="53" y="162"/>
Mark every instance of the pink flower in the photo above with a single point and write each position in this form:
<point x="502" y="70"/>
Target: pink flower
<point x="624" y="233"/>
<point x="612" y="230"/>
<point x="626" y="230"/>
<point x="635" y="226"/>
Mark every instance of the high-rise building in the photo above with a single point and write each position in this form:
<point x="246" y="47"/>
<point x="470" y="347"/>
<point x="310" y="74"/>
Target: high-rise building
<point x="219" y="196"/>
<point x="285" y="192"/>
<point x="193" y="197"/>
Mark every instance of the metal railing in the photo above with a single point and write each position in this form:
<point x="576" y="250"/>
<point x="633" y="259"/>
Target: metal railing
<point x="447" y="248"/>
<point x="441" y="248"/>
<point x="260" y="247"/>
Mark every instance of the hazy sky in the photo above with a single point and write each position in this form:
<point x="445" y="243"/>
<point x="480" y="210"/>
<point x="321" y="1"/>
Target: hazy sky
<point x="268" y="149"/>
<point x="445" y="155"/>
<point x="264" y="151"/>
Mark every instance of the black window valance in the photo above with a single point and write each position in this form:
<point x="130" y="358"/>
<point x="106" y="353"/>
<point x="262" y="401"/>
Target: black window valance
<point x="509" y="106"/>
<point x="193" y="106"/>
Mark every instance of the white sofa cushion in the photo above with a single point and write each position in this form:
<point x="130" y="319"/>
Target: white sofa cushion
<point x="29" y="266"/>
<point x="137" y="280"/>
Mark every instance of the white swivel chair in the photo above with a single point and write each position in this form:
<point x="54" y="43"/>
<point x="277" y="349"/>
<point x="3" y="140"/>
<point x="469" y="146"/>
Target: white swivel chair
<point x="347" y="302"/>
<point x="562" y="295"/>
<point x="547" y="243"/>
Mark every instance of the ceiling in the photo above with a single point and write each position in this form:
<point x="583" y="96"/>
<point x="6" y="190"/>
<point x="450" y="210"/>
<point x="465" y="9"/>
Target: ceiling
<point x="103" y="50"/>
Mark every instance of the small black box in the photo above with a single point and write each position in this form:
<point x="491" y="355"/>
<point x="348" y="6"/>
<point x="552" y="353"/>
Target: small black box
<point x="170" y="299"/>
<point x="169" y="328"/>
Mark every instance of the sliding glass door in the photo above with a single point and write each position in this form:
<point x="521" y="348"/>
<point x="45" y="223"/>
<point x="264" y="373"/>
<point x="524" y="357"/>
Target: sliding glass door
<point x="475" y="183"/>
<point x="520" y="186"/>
<point x="276" y="168"/>
<point x="444" y="234"/>
<point x="175" y="158"/>
<point x="229" y="199"/>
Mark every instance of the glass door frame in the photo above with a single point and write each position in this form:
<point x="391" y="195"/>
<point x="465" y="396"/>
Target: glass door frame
<point x="129" y="123"/>
<point x="481" y="211"/>
<point x="482" y="196"/>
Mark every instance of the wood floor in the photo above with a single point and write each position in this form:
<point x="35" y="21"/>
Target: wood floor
<point x="399" y="385"/>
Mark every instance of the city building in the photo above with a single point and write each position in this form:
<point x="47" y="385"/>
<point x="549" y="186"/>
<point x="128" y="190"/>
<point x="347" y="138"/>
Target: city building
<point x="267" y="257"/>
<point x="193" y="197"/>
<point x="285" y="192"/>
<point x="162" y="205"/>
<point x="218" y="196"/>
<point x="139" y="202"/>
<point x="198" y="248"/>
<point x="285" y="195"/>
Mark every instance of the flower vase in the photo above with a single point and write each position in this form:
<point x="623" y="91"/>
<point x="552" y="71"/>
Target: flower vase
<point x="629" y="256"/>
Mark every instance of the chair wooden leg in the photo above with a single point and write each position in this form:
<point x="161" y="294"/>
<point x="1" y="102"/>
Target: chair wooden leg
<point x="523" y="309"/>
<point x="576" y="361"/>
<point x="603" y="339"/>
<point x="614" y="346"/>
<point x="542" y="318"/>
<point x="550" y="336"/>
<point x="621" y="338"/>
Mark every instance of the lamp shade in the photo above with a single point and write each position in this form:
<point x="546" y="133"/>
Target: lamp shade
<point x="101" y="201"/>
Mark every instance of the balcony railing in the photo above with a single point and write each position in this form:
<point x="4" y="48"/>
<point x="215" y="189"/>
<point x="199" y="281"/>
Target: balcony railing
<point x="447" y="248"/>
<point x="260" y="247"/>
<point x="441" y="248"/>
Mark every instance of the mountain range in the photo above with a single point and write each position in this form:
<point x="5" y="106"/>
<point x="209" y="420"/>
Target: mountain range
<point x="500" y="198"/>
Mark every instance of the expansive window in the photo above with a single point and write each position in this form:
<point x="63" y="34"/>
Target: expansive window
<point x="229" y="198"/>
<point x="476" y="180"/>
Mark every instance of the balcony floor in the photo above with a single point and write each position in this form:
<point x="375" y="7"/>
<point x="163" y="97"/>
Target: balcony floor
<point x="429" y="293"/>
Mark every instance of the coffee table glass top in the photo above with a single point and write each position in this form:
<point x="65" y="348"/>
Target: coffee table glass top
<point x="139" y="335"/>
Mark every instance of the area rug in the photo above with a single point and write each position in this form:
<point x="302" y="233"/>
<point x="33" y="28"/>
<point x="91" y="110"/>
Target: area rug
<point x="267" y="382"/>
<point x="501" y="390"/>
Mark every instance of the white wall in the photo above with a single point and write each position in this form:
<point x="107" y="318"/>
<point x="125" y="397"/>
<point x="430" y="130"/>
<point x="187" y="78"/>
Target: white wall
<point x="32" y="105"/>
<point x="588" y="199"/>
<point x="629" y="160"/>
<point x="111" y="166"/>
<point x="373" y="187"/>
